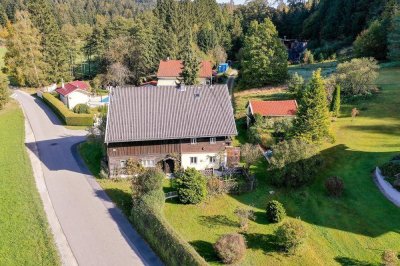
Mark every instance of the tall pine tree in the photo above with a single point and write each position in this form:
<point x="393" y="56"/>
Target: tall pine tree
<point x="335" y="104"/>
<point x="264" y="58"/>
<point x="312" y="123"/>
<point x="191" y="65"/>
<point x="24" y="58"/>
<point x="394" y="38"/>
<point x="54" y="48"/>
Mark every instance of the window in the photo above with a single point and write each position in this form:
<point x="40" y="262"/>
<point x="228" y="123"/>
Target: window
<point x="213" y="159"/>
<point x="122" y="163"/>
<point x="213" y="140"/>
<point x="148" y="163"/>
<point x="193" y="141"/>
<point x="193" y="160"/>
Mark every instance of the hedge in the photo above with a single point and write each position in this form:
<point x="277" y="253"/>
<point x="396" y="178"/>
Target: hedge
<point x="148" y="219"/>
<point x="70" y="118"/>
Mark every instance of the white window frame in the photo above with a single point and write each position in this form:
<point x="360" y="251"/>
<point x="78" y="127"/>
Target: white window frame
<point x="193" y="160"/>
<point x="147" y="163"/>
<point x="213" y="159"/>
<point x="193" y="141"/>
<point x="122" y="163"/>
<point x="213" y="140"/>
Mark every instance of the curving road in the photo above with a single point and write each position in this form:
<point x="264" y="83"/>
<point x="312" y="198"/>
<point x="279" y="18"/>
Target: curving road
<point x="92" y="231"/>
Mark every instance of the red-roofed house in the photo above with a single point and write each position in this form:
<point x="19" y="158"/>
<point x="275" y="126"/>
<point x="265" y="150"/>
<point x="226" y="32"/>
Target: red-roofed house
<point x="73" y="93"/>
<point x="169" y="71"/>
<point x="271" y="109"/>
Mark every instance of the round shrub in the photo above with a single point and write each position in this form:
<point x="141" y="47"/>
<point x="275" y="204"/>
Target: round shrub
<point x="149" y="180"/>
<point x="275" y="211"/>
<point x="230" y="248"/>
<point x="191" y="186"/>
<point x="82" y="109"/>
<point x="291" y="235"/>
<point x="389" y="258"/>
<point x="335" y="186"/>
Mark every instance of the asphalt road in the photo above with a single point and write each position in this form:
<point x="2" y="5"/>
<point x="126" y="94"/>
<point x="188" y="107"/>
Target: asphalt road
<point x="96" y="231"/>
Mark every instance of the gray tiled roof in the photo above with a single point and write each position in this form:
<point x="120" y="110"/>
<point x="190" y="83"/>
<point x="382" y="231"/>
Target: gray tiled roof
<point x="165" y="112"/>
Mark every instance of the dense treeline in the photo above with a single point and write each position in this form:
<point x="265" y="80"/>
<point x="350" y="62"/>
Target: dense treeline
<point x="117" y="42"/>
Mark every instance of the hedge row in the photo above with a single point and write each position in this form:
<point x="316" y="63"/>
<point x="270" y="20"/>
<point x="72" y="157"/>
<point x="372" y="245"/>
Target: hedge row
<point x="70" y="118"/>
<point x="148" y="219"/>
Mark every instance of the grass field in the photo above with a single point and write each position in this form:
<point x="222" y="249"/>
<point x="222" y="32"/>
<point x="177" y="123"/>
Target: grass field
<point x="25" y="238"/>
<point x="352" y="230"/>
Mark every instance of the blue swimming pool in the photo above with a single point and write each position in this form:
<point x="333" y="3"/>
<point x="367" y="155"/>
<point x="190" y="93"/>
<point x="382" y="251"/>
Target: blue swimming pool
<point x="105" y="100"/>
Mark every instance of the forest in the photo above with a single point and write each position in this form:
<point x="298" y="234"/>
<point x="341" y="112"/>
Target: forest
<point x="116" y="42"/>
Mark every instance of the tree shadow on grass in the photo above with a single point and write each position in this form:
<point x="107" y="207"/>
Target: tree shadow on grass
<point x="353" y="262"/>
<point x="205" y="249"/>
<point x="261" y="218"/>
<point x="217" y="220"/>
<point x="266" y="243"/>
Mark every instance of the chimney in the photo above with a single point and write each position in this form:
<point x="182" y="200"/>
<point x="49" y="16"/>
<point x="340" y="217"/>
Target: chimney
<point x="62" y="83"/>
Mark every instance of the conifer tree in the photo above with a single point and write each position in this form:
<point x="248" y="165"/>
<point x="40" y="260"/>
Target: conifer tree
<point x="394" y="38"/>
<point x="191" y="66"/>
<point x="264" y="59"/>
<point x="4" y="91"/>
<point x="54" y="47"/>
<point x="335" y="104"/>
<point x="24" y="58"/>
<point x="312" y="123"/>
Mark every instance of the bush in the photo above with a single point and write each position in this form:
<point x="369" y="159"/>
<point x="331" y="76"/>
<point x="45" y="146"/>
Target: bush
<point x="275" y="211"/>
<point x="308" y="57"/>
<point x="230" y="248"/>
<point x="69" y="118"/>
<point x="191" y="186"/>
<point x="149" y="180"/>
<point x="250" y="154"/>
<point x="335" y="186"/>
<point x="244" y="215"/>
<point x="294" y="163"/>
<point x="389" y="258"/>
<point x="372" y="41"/>
<point x="291" y="235"/>
<point x="134" y="167"/>
<point x="390" y="169"/>
<point x="82" y="109"/>
<point x="295" y="84"/>
<point x="147" y="218"/>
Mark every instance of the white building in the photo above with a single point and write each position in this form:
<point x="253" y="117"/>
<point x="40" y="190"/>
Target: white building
<point x="74" y="93"/>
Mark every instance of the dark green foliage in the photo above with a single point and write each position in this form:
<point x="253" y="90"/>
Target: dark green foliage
<point x="291" y="235"/>
<point x="4" y="91"/>
<point x="335" y="104"/>
<point x="394" y="38"/>
<point x="70" y="118"/>
<point x="390" y="169"/>
<point x="312" y="122"/>
<point x="82" y="109"/>
<point x="372" y="41"/>
<point x="207" y="39"/>
<point x="294" y="163"/>
<point x="191" y="186"/>
<point x="275" y="211"/>
<point x="191" y="66"/>
<point x="335" y="186"/>
<point x="230" y="248"/>
<point x="148" y="180"/>
<point x="264" y="57"/>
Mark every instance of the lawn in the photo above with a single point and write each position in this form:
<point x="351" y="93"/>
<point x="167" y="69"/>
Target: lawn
<point x="25" y="238"/>
<point x="352" y="230"/>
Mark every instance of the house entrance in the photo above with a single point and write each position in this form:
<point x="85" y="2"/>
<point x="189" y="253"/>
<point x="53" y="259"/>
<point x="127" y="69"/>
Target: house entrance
<point x="169" y="166"/>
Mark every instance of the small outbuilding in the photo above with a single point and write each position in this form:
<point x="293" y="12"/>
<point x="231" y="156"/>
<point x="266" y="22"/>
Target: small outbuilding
<point x="74" y="93"/>
<point x="271" y="109"/>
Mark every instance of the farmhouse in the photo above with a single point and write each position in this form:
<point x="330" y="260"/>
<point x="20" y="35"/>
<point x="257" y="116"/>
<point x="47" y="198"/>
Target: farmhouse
<point x="169" y="72"/>
<point x="170" y="127"/>
<point x="73" y="93"/>
<point x="271" y="109"/>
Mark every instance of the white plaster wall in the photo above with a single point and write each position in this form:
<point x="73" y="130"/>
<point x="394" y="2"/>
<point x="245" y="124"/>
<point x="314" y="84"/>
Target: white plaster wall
<point x="77" y="97"/>
<point x="203" y="160"/>
<point x="174" y="81"/>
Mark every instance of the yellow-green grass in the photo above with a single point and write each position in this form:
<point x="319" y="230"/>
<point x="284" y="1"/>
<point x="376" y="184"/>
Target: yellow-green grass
<point x="352" y="230"/>
<point x="25" y="238"/>
<point x="327" y="68"/>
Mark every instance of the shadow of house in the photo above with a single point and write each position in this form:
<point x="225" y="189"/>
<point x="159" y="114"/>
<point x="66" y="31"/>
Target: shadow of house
<point x="361" y="210"/>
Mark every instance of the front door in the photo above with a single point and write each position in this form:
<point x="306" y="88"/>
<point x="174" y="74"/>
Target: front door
<point x="169" y="166"/>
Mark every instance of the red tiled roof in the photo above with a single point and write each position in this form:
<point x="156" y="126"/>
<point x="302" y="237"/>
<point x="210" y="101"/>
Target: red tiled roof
<point x="151" y="83"/>
<point x="274" y="108"/>
<point x="72" y="86"/>
<point x="173" y="68"/>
